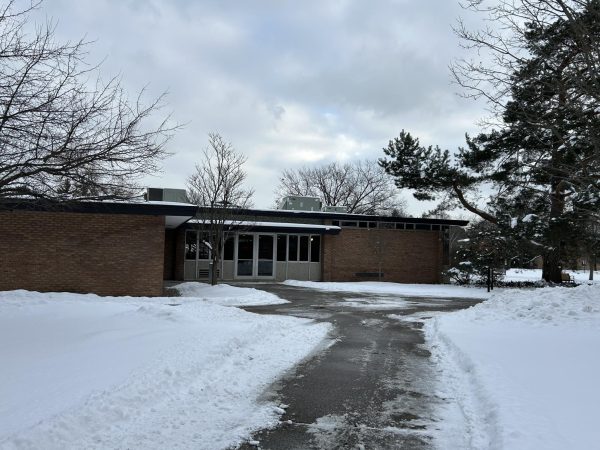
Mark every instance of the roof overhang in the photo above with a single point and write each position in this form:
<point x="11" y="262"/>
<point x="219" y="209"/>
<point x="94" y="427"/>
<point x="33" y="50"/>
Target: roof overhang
<point x="272" y="227"/>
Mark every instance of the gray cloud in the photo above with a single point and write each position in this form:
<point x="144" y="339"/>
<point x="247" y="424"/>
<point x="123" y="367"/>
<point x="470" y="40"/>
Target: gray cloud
<point x="288" y="83"/>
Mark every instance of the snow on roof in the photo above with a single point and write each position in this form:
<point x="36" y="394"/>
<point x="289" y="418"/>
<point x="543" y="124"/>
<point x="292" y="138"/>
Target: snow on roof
<point x="253" y="223"/>
<point x="158" y="202"/>
<point x="137" y="201"/>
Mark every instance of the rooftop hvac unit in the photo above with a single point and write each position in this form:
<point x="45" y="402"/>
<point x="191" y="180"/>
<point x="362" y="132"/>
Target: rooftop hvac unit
<point x="166" y="195"/>
<point x="335" y="209"/>
<point x="294" y="203"/>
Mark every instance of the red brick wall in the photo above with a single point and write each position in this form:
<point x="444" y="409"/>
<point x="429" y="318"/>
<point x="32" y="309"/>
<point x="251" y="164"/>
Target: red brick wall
<point x="404" y="256"/>
<point x="107" y="254"/>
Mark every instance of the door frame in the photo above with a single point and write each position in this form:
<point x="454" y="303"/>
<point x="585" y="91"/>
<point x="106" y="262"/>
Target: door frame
<point x="254" y="275"/>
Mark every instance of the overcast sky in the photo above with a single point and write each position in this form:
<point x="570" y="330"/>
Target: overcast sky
<point x="288" y="83"/>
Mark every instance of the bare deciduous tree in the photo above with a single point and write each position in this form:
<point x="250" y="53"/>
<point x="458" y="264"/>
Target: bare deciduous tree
<point x="65" y="134"/>
<point x="362" y="187"/>
<point x="217" y="187"/>
<point x="503" y="46"/>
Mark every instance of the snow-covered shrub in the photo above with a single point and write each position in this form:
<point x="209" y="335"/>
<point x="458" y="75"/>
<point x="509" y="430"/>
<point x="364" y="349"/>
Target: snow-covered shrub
<point x="461" y="275"/>
<point x="484" y="246"/>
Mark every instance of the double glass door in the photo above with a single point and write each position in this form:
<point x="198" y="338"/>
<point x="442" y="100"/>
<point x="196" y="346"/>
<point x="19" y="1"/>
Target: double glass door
<point x="255" y="255"/>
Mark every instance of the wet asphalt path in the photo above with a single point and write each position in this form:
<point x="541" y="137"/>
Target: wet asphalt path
<point x="372" y="388"/>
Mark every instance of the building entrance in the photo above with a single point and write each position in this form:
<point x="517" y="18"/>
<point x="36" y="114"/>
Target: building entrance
<point x="255" y="255"/>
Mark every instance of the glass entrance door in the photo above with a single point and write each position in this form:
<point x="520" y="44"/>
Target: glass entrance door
<point x="245" y="255"/>
<point x="255" y="255"/>
<point x="265" y="255"/>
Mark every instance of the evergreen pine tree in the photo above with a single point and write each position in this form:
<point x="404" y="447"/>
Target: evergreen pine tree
<point x="544" y="159"/>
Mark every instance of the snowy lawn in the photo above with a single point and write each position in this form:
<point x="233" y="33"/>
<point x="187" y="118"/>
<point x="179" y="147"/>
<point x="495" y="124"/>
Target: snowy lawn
<point x="581" y="276"/>
<point x="82" y="371"/>
<point x="400" y="289"/>
<point x="523" y="368"/>
<point x="225" y="295"/>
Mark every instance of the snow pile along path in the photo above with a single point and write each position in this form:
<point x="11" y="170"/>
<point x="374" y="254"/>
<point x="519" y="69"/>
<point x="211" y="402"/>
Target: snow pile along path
<point x="400" y="289"/>
<point x="580" y="276"/>
<point x="520" y="370"/>
<point x="225" y="295"/>
<point x="81" y="371"/>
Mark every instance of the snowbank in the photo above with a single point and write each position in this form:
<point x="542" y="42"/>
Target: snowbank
<point x="581" y="276"/>
<point x="523" y="369"/>
<point x="225" y="295"/>
<point x="406" y="290"/>
<point x="81" y="371"/>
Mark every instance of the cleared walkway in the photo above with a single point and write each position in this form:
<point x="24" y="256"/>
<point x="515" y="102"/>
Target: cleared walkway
<point x="372" y="388"/>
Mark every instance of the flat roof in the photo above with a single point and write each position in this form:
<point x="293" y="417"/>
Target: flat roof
<point x="174" y="213"/>
<point x="102" y="207"/>
<point x="339" y="216"/>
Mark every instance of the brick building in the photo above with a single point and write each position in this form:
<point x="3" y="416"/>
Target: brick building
<point x="113" y="248"/>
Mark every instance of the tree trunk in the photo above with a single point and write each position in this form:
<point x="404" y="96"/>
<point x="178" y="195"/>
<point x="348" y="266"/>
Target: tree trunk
<point x="552" y="267"/>
<point x="215" y="269"/>
<point x="592" y="264"/>
<point x="216" y="243"/>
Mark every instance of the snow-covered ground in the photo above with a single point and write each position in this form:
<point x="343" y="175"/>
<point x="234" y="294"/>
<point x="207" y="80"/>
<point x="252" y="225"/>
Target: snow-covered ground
<point x="400" y="289"/>
<point x="581" y="276"/>
<point x="522" y="369"/>
<point x="225" y="295"/>
<point x="82" y="371"/>
<point x="517" y="371"/>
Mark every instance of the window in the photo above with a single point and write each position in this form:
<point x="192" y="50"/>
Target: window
<point x="372" y="224"/>
<point x="423" y="226"/>
<point x="399" y="226"/>
<point x="303" y="248"/>
<point x="228" y="248"/>
<point x="363" y="224"/>
<point x="435" y="227"/>
<point x="386" y="225"/>
<point x="335" y="223"/>
<point x="315" y="248"/>
<point x="245" y="246"/>
<point x="191" y="244"/>
<point x="410" y="226"/>
<point x="293" y="249"/>
<point x="265" y="255"/>
<point x="245" y="254"/>
<point x="281" y="247"/>
<point x="298" y="248"/>
<point x="265" y="246"/>
<point x="349" y="224"/>
<point x="203" y="249"/>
